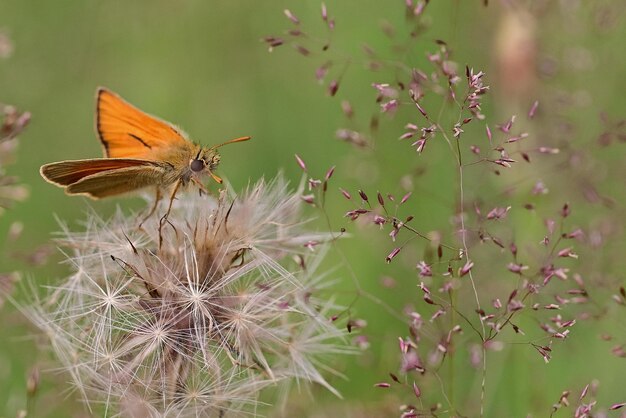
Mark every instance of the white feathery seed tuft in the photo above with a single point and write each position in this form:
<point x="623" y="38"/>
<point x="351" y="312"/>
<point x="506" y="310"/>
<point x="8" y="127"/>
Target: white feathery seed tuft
<point x="194" y="325"/>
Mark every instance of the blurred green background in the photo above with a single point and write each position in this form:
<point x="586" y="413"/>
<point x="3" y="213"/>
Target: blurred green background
<point x="202" y="66"/>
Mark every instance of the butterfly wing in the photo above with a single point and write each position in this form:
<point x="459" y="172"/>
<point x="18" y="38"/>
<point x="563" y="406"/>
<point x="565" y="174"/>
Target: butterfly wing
<point x="65" y="173"/>
<point x="127" y="132"/>
<point x="117" y="182"/>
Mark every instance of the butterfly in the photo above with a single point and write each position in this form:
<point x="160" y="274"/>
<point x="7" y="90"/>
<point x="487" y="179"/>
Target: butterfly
<point x="140" y="151"/>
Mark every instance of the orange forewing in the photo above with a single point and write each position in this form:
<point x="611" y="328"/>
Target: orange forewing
<point x="65" y="173"/>
<point x="127" y="132"/>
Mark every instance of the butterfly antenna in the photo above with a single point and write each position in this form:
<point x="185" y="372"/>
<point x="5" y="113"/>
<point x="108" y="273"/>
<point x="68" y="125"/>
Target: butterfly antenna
<point x="215" y="177"/>
<point x="232" y="141"/>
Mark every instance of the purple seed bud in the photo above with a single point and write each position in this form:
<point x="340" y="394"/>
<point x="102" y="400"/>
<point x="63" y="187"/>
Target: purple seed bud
<point x="533" y="109"/>
<point x="422" y="111"/>
<point x="345" y="193"/>
<point x="302" y="50"/>
<point x="333" y="87"/>
<point x="347" y="109"/>
<point x="321" y="72"/>
<point x="273" y="42"/>
<point x="392" y="254"/>
<point x="363" y="195"/>
<point x="291" y="16"/>
<point x="329" y="173"/>
<point x="301" y="163"/>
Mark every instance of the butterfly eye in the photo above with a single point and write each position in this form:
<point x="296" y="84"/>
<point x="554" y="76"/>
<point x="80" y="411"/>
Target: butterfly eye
<point x="197" y="165"/>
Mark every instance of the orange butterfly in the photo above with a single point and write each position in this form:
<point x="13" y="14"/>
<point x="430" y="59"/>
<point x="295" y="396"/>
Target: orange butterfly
<point x="139" y="151"/>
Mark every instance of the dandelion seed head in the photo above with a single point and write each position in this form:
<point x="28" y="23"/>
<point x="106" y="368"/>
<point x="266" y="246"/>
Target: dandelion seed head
<point x="197" y="321"/>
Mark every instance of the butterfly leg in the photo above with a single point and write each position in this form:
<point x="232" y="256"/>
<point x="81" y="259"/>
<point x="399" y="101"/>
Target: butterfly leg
<point x="157" y="199"/>
<point x="201" y="186"/>
<point x="169" y="209"/>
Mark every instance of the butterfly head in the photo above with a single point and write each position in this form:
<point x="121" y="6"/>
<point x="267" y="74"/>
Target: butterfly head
<point x="206" y="160"/>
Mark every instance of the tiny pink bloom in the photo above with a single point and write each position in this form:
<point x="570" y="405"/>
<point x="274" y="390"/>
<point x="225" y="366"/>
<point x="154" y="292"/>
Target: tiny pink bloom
<point x="361" y="342"/>
<point x="309" y="198"/>
<point x="466" y="268"/>
<point x="577" y="233"/>
<point x="425" y="270"/>
<point x="311" y="244"/>
<point x="421" y="144"/>
<point x="379" y="220"/>
<point x="389" y="106"/>
<point x="539" y="188"/>
<point x="516" y="268"/>
<point x="314" y="183"/>
<point x="498" y="212"/>
<point x="567" y="252"/>
<point x="437" y="314"/>
<point x="404" y="345"/>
